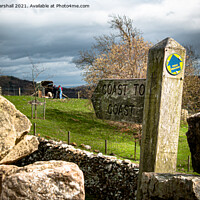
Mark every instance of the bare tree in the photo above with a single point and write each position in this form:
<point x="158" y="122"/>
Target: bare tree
<point x="36" y="70"/>
<point x="122" y="54"/>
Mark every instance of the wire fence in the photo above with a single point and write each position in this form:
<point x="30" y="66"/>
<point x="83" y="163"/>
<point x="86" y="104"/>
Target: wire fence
<point x="16" y="91"/>
<point x="27" y="92"/>
<point x="115" y="147"/>
<point x="122" y="150"/>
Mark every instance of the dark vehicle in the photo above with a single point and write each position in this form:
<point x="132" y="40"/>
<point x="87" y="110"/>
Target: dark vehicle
<point x="44" y="88"/>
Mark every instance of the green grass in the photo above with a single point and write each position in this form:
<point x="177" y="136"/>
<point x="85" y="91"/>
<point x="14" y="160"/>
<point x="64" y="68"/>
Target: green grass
<point x="183" y="150"/>
<point x="77" y="116"/>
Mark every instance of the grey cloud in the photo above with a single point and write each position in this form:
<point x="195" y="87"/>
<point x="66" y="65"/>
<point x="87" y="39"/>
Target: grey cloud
<point x="19" y="42"/>
<point x="190" y="39"/>
<point x="170" y="13"/>
<point x="55" y="42"/>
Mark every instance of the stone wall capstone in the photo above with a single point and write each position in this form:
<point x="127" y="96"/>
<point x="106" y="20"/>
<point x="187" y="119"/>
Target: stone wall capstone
<point x="160" y="186"/>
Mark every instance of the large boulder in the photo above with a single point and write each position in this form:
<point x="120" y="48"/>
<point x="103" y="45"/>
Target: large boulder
<point x="13" y="127"/>
<point x="193" y="138"/>
<point x="42" y="180"/>
<point x="170" y="186"/>
<point x="22" y="149"/>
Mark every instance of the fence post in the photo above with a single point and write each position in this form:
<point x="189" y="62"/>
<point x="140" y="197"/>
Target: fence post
<point x="68" y="137"/>
<point x="106" y="146"/>
<point x="135" y="150"/>
<point x="0" y="90"/>
<point x="188" y="163"/>
<point x="34" y="129"/>
<point x="44" y="108"/>
<point x="19" y="91"/>
<point x="31" y="110"/>
<point x="35" y="110"/>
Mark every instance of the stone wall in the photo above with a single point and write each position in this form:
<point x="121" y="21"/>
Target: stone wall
<point x="110" y="178"/>
<point x="106" y="176"/>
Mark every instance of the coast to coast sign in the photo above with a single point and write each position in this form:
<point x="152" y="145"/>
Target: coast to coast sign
<point x="119" y="99"/>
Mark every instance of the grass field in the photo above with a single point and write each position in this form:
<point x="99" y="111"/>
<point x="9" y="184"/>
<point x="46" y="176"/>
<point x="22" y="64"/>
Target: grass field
<point x="77" y="116"/>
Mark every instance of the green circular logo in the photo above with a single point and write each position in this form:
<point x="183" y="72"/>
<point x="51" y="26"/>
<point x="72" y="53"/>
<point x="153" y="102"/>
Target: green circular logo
<point x="174" y="64"/>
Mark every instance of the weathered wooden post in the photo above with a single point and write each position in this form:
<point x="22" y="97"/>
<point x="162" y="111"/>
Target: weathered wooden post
<point x="135" y="149"/>
<point x="0" y="90"/>
<point x="106" y="146"/>
<point x="162" y="109"/>
<point x="68" y="141"/>
<point x="31" y="110"/>
<point x="34" y="129"/>
<point x="188" y="167"/>
<point x="44" y="108"/>
<point x="35" y="108"/>
<point x="19" y="91"/>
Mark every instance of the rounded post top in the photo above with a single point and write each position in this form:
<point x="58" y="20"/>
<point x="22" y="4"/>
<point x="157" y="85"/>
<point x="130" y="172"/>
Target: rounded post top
<point x="168" y="43"/>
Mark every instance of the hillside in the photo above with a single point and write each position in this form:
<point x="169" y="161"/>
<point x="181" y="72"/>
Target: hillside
<point x="13" y="82"/>
<point x="10" y="86"/>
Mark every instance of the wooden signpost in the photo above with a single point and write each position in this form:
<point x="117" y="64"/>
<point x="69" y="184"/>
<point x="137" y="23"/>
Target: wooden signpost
<point x="119" y="99"/>
<point x="156" y="104"/>
<point x="162" y="109"/>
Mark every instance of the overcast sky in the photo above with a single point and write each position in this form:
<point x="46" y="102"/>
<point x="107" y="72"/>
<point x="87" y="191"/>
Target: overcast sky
<point x="52" y="37"/>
